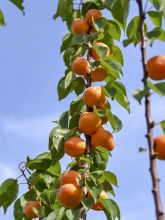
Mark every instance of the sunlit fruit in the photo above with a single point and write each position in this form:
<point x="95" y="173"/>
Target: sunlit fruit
<point x="94" y="95"/>
<point x="159" y="147"/>
<point x="79" y="26"/>
<point x="103" y="138"/>
<point x="105" y="51"/>
<point x="74" y="146"/>
<point x="69" y="195"/>
<point x="89" y="122"/>
<point x="98" y="75"/>
<point x="29" y="209"/>
<point x="81" y="66"/>
<point x="70" y="176"/>
<point x="94" y="14"/>
<point x="156" y="67"/>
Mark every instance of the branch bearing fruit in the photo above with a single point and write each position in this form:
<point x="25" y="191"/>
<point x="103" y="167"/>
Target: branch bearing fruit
<point x="94" y="14"/>
<point x="159" y="147"/>
<point x="28" y="209"/>
<point x="70" y="176"/>
<point x="89" y="122"/>
<point x="102" y="47"/>
<point x="81" y="66"/>
<point x="79" y="26"/>
<point x="156" y="67"/>
<point x="94" y="95"/>
<point x="69" y="195"/>
<point x="74" y="146"/>
<point x="103" y="138"/>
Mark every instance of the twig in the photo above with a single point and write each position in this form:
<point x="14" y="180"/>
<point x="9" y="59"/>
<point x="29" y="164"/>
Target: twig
<point x="149" y="122"/>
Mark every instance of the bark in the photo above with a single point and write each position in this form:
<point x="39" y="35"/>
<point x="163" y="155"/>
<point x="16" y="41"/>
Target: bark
<point x="149" y="122"/>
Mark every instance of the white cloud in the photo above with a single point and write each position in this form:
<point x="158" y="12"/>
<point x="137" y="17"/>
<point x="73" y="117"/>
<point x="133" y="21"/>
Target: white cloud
<point x="29" y="128"/>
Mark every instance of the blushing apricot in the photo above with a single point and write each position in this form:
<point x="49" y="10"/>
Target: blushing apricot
<point x="94" y="95"/>
<point x="89" y="122"/>
<point x="93" y="13"/>
<point x="159" y="147"/>
<point x="28" y="209"/>
<point x="74" y="146"/>
<point x="81" y="66"/>
<point x="98" y="75"/>
<point x="69" y="195"/>
<point x="79" y="26"/>
<point x="103" y="138"/>
<point x="70" y="176"/>
<point x="156" y="67"/>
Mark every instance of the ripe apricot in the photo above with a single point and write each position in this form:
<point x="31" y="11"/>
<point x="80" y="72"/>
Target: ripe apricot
<point x="74" y="146"/>
<point x="94" y="95"/>
<point x="98" y="75"/>
<point x="102" y="47"/>
<point x="103" y="138"/>
<point x="159" y="147"/>
<point x="81" y="66"/>
<point x="28" y="209"/>
<point x="93" y="14"/>
<point x="156" y="67"/>
<point x="69" y="195"/>
<point x="98" y="206"/>
<point x="89" y="122"/>
<point x="70" y="177"/>
<point x="79" y="26"/>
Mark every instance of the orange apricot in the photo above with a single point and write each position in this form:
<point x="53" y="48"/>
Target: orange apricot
<point x="81" y="66"/>
<point x="28" y="209"/>
<point x="93" y="13"/>
<point x="159" y="147"/>
<point x="79" y="26"/>
<point x="98" y="75"/>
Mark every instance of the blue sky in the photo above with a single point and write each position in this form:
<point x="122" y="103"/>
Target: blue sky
<point x="31" y="66"/>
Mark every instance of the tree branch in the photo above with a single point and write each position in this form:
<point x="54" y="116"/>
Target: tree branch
<point x="149" y="122"/>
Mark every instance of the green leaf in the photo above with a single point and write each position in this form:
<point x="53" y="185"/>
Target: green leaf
<point x="116" y="54"/>
<point x="111" y="209"/>
<point x="162" y="125"/>
<point x="78" y="85"/>
<point x="18" y="4"/>
<point x="61" y="10"/>
<point x="70" y="76"/>
<point x="156" y="18"/>
<point x="74" y="121"/>
<point x="139" y="94"/>
<point x="132" y="32"/>
<point x="41" y="162"/>
<point x="114" y="29"/>
<point x="66" y="42"/>
<point x="8" y="193"/>
<point x="64" y="120"/>
<point x="2" y="20"/>
<point x="62" y="92"/>
<point x="155" y="34"/>
<point x="120" y="11"/>
<point x="159" y="5"/>
<point x="110" y="70"/>
<point x="142" y="149"/>
<point x="110" y="177"/>
<point x="68" y="56"/>
<point x="158" y="87"/>
<point x="101" y="157"/>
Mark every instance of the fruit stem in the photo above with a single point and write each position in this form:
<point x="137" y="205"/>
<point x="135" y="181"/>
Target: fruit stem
<point x="149" y="122"/>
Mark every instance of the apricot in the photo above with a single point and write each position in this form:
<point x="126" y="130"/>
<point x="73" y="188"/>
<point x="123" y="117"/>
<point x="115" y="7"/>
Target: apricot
<point x="98" y="75"/>
<point x="89" y="122"/>
<point x="28" y="209"/>
<point x="69" y="195"/>
<point x="70" y="177"/>
<point x="94" y="95"/>
<point x="101" y="46"/>
<point x="102" y="138"/>
<point x="159" y="147"/>
<point x="74" y="146"/>
<point x="98" y="206"/>
<point x="79" y="26"/>
<point x="81" y="66"/>
<point x="94" y="14"/>
<point x="156" y="67"/>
